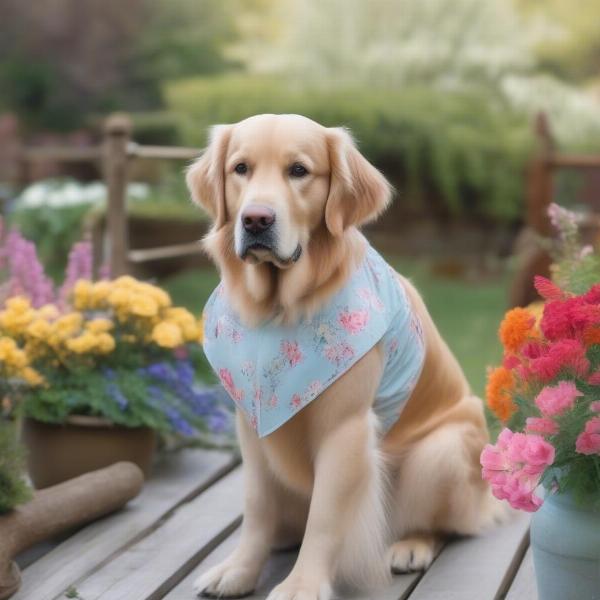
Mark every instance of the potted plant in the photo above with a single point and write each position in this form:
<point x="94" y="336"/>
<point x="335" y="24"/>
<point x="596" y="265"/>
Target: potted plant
<point x="27" y="518"/>
<point x="547" y="395"/>
<point x="97" y="369"/>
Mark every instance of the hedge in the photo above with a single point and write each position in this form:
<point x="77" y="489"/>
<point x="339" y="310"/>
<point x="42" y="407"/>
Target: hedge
<point x="462" y="152"/>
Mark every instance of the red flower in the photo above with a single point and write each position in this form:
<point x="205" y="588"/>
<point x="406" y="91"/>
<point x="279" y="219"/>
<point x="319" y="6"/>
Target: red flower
<point x="546" y="289"/>
<point x="562" y="355"/>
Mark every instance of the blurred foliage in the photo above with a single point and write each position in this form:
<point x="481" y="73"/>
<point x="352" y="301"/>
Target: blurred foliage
<point x="67" y="59"/>
<point x="566" y="36"/>
<point x="13" y="489"/>
<point x="464" y="150"/>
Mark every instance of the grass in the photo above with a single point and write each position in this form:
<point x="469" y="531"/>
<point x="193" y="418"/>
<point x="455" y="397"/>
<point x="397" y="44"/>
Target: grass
<point x="467" y="315"/>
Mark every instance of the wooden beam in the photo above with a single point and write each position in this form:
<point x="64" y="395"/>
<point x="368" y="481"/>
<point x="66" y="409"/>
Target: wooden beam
<point x="117" y="133"/>
<point x="62" y="153"/>
<point x="162" y="152"/>
<point x="150" y="254"/>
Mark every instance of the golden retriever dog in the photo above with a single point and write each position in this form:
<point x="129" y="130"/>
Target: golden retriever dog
<point x="364" y="504"/>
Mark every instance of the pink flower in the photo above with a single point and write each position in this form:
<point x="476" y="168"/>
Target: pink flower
<point x="595" y="406"/>
<point x="514" y="465"/>
<point x="371" y="298"/>
<point x="555" y="400"/>
<point x="543" y="426"/>
<point x="296" y="401"/>
<point x="227" y="381"/>
<point x="338" y="353"/>
<point x="314" y="387"/>
<point x="594" y="378"/>
<point x="292" y="352"/>
<point x="354" y="321"/>
<point x="588" y="441"/>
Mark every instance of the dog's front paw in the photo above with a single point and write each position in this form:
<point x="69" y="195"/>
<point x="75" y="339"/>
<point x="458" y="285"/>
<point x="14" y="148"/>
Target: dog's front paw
<point x="412" y="554"/>
<point x="299" y="589"/>
<point x="226" y="580"/>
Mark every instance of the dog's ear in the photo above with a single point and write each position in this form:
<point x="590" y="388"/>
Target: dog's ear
<point x="206" y="177"/>
<point x="358" y="192"/>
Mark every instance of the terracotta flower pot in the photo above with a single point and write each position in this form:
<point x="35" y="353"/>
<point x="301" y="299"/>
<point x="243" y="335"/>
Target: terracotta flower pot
<point x="59" y="452"/>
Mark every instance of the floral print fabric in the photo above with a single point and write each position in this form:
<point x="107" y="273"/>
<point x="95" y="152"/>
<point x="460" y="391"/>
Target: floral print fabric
<point x="272" y="371"/>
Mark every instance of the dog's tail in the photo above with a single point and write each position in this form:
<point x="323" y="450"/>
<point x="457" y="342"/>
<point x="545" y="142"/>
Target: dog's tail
<point x="362" y="562"/>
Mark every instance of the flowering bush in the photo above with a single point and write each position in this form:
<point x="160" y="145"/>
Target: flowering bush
<point x="112" y="348"/>
<point x="547" y="391"/>
<point x="53" y="212"/>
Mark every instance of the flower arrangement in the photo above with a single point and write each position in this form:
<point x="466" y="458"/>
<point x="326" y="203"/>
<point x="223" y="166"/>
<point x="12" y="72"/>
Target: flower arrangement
<point x="112" y="348"/>
<point x="547" y="391"/>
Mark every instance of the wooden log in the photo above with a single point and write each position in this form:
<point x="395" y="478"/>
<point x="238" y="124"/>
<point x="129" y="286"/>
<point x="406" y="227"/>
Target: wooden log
<point x="59" y="508"/>
<point x="115" y="158"/>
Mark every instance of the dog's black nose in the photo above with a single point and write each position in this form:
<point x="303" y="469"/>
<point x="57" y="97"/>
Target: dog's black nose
<point x="257" y="218"/>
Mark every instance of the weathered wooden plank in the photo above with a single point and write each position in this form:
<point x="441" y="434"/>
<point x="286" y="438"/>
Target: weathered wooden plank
<point x="176" y="479"/>
<point x="524" y="586"/>
<point x="279" y="565"/>
<point x="478" y="568"/>
<point x="185" y="589"/>
<point x="152" y="566"/>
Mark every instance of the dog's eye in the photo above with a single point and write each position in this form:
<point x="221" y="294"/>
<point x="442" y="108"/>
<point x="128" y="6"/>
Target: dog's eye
<point x="298" y="170"/>
<point x="241" y="168"/>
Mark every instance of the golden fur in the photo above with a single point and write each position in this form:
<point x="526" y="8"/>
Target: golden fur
<point x="363" y="505"/>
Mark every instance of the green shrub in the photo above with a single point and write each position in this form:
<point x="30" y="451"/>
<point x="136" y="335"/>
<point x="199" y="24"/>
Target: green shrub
<point x="466" y="150"/>
<point x="13" y="489"/>
<point x="156" y="128"/>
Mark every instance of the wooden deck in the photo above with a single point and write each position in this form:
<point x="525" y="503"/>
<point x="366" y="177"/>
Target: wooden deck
<point x="187" y="518"/>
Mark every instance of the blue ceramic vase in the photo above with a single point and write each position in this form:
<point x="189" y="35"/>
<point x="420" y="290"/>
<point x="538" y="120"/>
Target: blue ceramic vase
<point x="565" y="540"/>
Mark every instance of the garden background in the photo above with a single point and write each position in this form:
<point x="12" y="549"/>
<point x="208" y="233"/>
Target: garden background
<point x="440" y="95"/>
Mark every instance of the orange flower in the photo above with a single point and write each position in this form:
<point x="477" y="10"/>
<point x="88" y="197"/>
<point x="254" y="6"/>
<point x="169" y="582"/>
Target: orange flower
<point x="516" y="327"/>
<point x="498" y="392"/>
<point x="591" y="336"/>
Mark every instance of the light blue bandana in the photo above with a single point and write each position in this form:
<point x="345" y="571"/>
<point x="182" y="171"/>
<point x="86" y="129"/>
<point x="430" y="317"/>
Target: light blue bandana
<point x="273" y="371"/>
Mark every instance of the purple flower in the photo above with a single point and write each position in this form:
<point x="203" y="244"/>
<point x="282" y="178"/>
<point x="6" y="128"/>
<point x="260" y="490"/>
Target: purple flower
<point x="180" y="425"/>
<point x="79" y="266"/>
<point x="25" y="272"/>
<point x="116" y="394"/>
<point x="219" y="422"/>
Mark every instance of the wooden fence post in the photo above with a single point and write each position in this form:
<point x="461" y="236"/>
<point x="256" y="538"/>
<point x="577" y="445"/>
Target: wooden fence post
<point x="539" y="177"/>
<point x="117" y="136"/>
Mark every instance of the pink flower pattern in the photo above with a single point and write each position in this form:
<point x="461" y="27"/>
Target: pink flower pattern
<point x="354" y="321"/>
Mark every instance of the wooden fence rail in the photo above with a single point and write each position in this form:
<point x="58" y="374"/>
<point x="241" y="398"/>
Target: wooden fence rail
<point x="115" y="154"/>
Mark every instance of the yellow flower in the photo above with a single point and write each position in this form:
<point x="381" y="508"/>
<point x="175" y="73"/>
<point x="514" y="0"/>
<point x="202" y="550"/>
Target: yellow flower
<point x="83" y="343"/>
<point x="143" y="306"/>
<point x="18" y="304"/>
<point x="39" y="329"/>
<point x="100" y="292"/>
<point x="11" y="354"/>
<point x="158" y="295"/>
<point x="192" y="332"/>
<point x="167" y="334"/>
<point x="105" y="343"/>
<point x="48" y="312"/>
<point x="17" y="316"/>
<point x="120" y="297"/>
<point x="99" y="325"/>
<point x="31" y="376"/>
<point x="126" y="281"/>
<point x="82" y="294"/>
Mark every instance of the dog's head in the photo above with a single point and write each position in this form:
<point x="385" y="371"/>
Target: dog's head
<point x="275" y="179"/>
